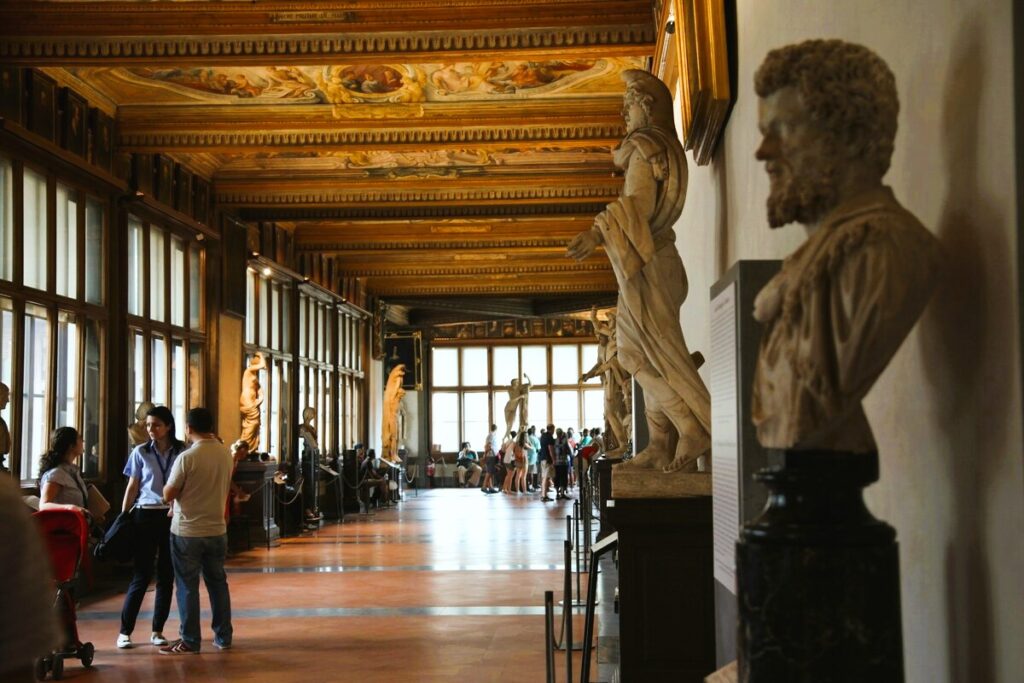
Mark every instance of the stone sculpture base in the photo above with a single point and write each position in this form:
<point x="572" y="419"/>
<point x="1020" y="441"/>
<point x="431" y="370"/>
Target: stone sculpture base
<point x="666" y="596"/>
<point x="818" y="576"/>
<point x="630" y="482"/>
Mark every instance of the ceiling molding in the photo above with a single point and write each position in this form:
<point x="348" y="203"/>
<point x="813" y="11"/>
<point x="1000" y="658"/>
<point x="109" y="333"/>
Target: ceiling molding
<point x="484" y="211"/>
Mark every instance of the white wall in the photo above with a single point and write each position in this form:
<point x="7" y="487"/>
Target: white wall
<point x="375" y="388"/>
<point x="947" y="412"/>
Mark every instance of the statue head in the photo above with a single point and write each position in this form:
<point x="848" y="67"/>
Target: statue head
<point x="143" y="410"/>
<point x="827" y="115"/>
<point x="308" y="414"/>
<point x="647" y="102"/>
<point x="515" y="382"/>
<point x="5" y="395"/>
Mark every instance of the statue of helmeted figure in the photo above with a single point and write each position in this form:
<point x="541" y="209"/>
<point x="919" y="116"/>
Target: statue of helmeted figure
<point x="636" y="232"/>
<point x="251" y="401"/>
<point x="518" y="401"/>
<point x="613" y="378"/>
<point x="393" y="394"/>
<point x="5" y="434"/>
<point x="845" y="300"/>
<point x="137" y="433"/>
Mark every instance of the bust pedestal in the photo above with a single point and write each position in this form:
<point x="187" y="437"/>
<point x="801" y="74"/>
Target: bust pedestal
<point x="259" y="509"/>
<point x="666" y="584"/>
<point x="818" y="576"/>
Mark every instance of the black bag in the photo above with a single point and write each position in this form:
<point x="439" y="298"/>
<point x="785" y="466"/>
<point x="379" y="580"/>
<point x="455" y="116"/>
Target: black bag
<point x="119" y="541"/>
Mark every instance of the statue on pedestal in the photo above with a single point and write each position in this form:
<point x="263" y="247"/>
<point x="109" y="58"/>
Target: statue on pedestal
<point x="518" y="400"/>
<point x="817" y="575"/>
<point x="393" y="394"/>
<point x="636" y="232"/>
<point x="5" y="434"/>
<point x="137" y="433"/>
<point x="251" y="401"/>
<point x="613" y="377"/>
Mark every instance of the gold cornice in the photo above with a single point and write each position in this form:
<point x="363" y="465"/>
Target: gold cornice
<point x="337" y="248"/>
<point x="393" y="287"/>
<point x="467" y="211"/>
<point x="565" y="269"/>
<point x="461" y="192"/>
<point x="278" y="50"/>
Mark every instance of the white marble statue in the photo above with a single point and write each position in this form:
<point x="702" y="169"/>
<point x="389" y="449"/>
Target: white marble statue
<point x="393" y="394"/>
<point x="251" y="401"/>
<point x="845" y="300"/>
<point x="518" y="401"/>
<point x="307" y="432"/>
<point x="612" y="377"/>
<point x="5" y="434"/>
<point x="637" y="235"/>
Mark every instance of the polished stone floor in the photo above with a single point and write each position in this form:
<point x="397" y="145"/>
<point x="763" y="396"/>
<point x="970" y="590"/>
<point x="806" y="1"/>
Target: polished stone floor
<point x="446" y="586"/>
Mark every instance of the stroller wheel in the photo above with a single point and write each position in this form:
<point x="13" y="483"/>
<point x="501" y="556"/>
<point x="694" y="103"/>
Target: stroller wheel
<point x="86" y="652"/>
<point x="42" y="668"/>
<point x="58" y="667"/>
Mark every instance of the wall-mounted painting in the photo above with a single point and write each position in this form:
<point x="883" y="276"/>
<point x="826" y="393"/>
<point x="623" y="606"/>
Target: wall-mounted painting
<point x="405" y="348"/>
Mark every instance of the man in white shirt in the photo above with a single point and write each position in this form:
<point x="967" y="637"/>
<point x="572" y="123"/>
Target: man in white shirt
<point x="198" y="486"/>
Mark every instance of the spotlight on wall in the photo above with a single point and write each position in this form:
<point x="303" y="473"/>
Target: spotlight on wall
<point x="267" y="272"/>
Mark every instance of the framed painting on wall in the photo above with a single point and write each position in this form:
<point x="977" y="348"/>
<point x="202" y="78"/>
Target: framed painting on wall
<point x="405" y="348"/>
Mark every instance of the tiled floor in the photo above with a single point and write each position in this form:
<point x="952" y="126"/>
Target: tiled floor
<point x="447" y="586"/>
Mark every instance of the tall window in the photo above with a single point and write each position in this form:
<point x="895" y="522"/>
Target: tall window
<point x="166" y="317"/>
<point x="52" y="317"/>
<point x="351" y="376"/>
<point x="268" y="311"/>
<point x="469" y="389"/>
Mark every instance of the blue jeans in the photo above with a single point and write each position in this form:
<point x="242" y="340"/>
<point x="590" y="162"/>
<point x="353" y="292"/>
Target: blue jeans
<point x="190" y="556"/>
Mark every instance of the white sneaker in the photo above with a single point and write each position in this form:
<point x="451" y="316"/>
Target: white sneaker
<point x="158" y="639"/>
<point x="124" y="642"/>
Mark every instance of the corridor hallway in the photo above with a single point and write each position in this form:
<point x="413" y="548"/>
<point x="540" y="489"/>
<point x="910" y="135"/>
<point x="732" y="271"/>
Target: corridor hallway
<point x="447" y="586"/>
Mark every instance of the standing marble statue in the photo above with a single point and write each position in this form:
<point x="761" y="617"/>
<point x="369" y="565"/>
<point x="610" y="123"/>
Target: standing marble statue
<point x="518" y="401"/>
<point x="5" y="434"/>
<point x="845" y="300"/>
<point x="137" y="433"/>
<point x="393" y="394"/>
<point x="251" y="401"/>
<point x="613" y="377"/>
<point x="636" y="231"/>
<point x="307" y="432"/>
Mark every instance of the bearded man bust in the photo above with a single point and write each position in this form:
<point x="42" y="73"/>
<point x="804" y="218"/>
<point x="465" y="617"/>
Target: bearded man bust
<point x="844" y="301"/>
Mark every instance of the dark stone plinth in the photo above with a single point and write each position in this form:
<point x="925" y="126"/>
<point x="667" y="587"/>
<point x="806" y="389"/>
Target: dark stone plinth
<point x="666" y="588"/>
<point x="601" y="472"/>
<point x="818" y="576"/>
<point x="257" y="479"/>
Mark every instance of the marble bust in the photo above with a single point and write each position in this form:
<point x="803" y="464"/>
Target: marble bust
<point x="637" y="234"/>
<point x="307" y="432"/>
<point x="137" y="433"/>
<point x="845" y="300"/>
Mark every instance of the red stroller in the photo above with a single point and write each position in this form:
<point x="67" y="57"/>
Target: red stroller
<point x="66" y="533"/>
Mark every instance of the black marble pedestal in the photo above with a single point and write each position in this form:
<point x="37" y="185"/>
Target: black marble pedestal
<point x="256" y="478"/>
<point x="666" y="594"/>
<point x="818" y="576"/>
<point x="601" y="473"/>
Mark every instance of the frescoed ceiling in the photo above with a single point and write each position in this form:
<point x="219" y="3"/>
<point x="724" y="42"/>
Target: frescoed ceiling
<point x="436" y="148"/>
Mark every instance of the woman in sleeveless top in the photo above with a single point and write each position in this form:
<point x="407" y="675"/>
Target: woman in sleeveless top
<point x="61" y="486"/>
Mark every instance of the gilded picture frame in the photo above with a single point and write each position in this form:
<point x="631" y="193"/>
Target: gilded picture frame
<point x="405" y="348"/>
<point x="692" y="58"/>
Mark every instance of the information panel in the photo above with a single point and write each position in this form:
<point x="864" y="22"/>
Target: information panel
<point x="725" y="435"/>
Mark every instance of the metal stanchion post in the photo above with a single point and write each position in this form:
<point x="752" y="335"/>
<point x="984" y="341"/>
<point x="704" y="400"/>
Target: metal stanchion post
<point x="549" y="627"/>
<point x="567" y="607"/>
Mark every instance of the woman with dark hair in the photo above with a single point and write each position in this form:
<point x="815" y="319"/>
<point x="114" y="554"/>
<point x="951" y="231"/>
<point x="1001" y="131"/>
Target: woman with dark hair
<point x="147" y="469"/>
<point x="61" y="486"/>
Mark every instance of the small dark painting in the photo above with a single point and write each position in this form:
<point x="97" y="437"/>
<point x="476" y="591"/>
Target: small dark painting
<point x="101" y="139"/>
<point x="183" y="191"/>
<point x="165" y="179"/>
<point x="12" y="93"/>
<point x="42" y="107"/>
<point x="74" y="134"/>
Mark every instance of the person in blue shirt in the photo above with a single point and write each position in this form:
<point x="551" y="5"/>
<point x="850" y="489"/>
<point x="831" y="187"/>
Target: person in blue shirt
<point x="531" y="462"/>
<point x="147" y="469"/>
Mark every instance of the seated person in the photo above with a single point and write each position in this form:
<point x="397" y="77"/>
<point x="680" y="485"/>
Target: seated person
<point x="373" y="475"/>
<point x="468" y="460"/>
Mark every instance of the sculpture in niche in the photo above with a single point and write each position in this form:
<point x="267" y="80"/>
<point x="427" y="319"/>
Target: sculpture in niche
<point x="251" y="401"/>
<point x="518" y="401"/>
<point x="612" y="377"/>
<point x="393" y="394"/>
<point x="5" y="434"/>
<point x="307" y="432"/>
<point x="636" y="232"/>
<point x="844" y="301"/>
<point x="137" y="433"/>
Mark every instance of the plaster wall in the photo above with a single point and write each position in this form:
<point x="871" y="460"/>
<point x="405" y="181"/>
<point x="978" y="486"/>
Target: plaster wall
<point x="375" y="390"/>
<point x="947" y="412"/>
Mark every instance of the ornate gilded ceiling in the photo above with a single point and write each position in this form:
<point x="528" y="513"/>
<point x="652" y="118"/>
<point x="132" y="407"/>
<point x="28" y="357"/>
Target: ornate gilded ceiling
<point x="433" y="147"/>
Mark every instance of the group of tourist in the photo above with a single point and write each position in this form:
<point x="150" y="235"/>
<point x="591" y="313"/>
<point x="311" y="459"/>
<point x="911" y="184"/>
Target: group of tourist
<point x="526" y="462"/>
<point x="176" y="499"/>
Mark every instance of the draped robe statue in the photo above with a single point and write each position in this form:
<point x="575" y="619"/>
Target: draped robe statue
<point x="637" y="235"/>
<point x="251" y="401"/>
<point x="393" y="394"/>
